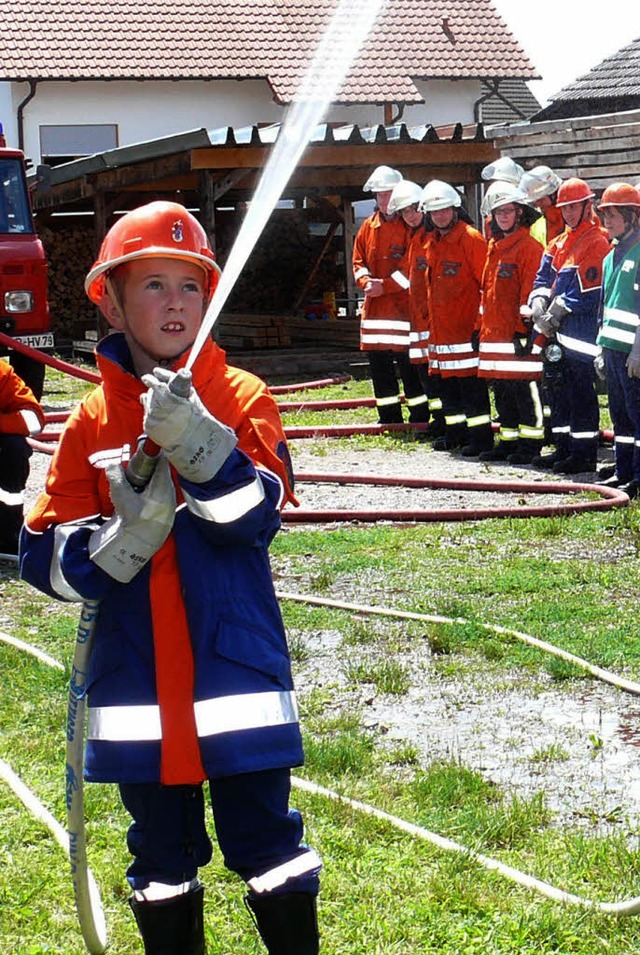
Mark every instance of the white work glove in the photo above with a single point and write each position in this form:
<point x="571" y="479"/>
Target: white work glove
<point x="598" y="364"/>
<point x="633" y="361"/>
<point x="140" y="525"/>
<point x="194" y="441"/>
<point x="547" y="324"/>
<point x="538" y="307"/>
<point x="558" y="309"/>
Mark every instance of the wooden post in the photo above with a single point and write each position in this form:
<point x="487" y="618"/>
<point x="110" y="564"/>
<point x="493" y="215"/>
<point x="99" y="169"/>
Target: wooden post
<point x="206" y="195"/>
<point x="349" y="236"/>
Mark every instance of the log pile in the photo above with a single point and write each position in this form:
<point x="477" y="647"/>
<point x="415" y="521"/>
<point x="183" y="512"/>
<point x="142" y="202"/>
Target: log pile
<point x="70" y="255"/>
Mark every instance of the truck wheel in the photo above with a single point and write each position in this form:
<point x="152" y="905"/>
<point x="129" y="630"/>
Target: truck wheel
<point x="31" y="372"/>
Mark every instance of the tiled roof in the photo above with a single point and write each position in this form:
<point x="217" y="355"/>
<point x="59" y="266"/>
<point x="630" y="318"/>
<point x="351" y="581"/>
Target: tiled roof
<point x="520" y="103"/>
<point x="244" y="39"/>
<point x="617" y="76"/>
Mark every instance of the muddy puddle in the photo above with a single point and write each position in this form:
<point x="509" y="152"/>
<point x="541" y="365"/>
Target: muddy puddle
<point x="577" y="742"/>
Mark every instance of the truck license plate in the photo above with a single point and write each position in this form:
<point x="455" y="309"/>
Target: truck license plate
<point x="36" y="341"/>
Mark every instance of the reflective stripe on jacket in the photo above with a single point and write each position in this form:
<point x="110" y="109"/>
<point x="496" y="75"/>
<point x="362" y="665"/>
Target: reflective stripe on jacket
<point x="620" y="298"/>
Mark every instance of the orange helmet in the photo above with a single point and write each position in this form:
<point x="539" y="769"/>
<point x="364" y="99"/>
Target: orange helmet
<point x="159" y="229"/>
<point x="574" y="190"/>
<point x="620" y="194"/>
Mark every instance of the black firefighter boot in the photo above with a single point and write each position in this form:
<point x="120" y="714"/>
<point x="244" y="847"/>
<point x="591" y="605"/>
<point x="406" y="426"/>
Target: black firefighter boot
<point x="287" y="923"/>
<point x="172" y="926"/>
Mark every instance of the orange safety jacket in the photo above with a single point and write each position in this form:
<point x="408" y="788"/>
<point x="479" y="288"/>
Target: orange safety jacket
<point x="379" y="252"/>
<point x="510" y="269"/>
<point x="418" y="299"/>
<point x="456" y="262"/>
<point x="20" y="411"/>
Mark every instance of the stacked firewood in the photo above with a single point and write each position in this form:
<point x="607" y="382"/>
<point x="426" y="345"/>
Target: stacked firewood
<point x="70" y="254"/>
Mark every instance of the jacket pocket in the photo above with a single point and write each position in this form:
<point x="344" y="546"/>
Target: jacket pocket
<point x="254" y="649"/>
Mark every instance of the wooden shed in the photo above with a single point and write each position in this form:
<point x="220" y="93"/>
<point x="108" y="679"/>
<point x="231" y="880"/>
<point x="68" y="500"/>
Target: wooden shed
<point x="303" y="257"/>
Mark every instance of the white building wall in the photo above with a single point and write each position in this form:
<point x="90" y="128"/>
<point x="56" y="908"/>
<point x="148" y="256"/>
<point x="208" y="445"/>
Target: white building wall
<point x="151" y="109"/>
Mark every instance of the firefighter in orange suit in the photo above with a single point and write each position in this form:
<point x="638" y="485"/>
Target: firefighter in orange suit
<point x="564" y="302"/>
<point x="503" y="169"/>
<point x="405" y="199"/>
<point x="379" y="268"/>
<point x="20" y="416"/>
<point x="508" y="356"/>
<point x="456" y="258"/>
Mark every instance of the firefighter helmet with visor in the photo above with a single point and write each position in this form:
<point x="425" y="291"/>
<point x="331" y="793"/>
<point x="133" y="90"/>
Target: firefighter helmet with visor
<point x="405" y="193"/>
<point x="503" y="170"/>
<point x="539" y="182"/>
<point x="439" y="195"/>
<point x="382" y="179"/>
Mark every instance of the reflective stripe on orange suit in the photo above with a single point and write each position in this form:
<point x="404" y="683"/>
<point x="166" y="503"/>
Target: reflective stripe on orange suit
<point x="380" y="248"/>
<point x="418" y="298"/>
<point x="509" y="273"/>
<point x="456" y="263"/>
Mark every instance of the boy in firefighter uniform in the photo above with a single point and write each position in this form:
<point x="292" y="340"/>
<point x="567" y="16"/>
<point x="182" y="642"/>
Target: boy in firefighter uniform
<point x="619" y="335"/>
<point x="564" y="303"/>
<point x="20" y="416"/>
<point x="405" y="201"/>
<point x="456" y="259"/>
<point x="508" y="356"/>
<point x="190" y="678"/>
<point x="379" y="269"/>
<point x="540" y="185"/>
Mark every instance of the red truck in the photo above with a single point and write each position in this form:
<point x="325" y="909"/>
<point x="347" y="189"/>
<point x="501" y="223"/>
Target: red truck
<point x="24" y="308"/>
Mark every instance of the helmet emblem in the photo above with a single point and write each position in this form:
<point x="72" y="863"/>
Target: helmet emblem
<point x="177" y="233"/>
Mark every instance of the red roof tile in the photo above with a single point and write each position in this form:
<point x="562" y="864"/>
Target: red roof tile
<point x="245" y="39"/>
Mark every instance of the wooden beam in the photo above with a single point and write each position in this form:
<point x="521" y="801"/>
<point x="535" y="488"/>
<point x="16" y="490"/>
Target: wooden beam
<point x="409" y="154"/>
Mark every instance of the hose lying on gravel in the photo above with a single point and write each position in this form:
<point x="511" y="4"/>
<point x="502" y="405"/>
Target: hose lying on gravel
<point x="621" y="908"/>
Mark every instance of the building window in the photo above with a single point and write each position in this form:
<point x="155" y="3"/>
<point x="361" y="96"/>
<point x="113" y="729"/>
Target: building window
<point x="60" y="144"/>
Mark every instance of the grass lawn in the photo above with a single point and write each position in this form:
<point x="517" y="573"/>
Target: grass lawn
<point x="571" y="581"/>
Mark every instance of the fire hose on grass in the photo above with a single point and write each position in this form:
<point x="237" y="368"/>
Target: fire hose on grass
<point x="628" y="907"/>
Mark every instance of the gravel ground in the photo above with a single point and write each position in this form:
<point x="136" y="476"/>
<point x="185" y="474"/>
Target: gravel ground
<point x="499" y="724"/>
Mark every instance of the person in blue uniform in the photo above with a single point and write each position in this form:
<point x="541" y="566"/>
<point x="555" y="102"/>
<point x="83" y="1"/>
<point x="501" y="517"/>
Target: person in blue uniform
<point x="190" y="679"/>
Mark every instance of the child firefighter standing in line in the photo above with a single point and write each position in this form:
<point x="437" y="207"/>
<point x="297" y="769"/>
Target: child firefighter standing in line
<point x="190" y="677"/>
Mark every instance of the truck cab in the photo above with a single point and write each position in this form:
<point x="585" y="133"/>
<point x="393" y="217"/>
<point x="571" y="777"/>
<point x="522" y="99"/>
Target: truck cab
<point x="24" y="308"/>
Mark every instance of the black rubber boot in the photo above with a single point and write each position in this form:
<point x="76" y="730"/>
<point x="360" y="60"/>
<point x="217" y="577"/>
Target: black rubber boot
<point x="287" y="923"/>
<point x="172" y="926"/>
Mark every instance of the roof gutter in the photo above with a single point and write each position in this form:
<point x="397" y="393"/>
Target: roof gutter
<point x="20" y="112"/>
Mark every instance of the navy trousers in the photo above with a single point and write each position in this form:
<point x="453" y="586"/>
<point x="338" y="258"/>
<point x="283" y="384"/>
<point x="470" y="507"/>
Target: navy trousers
<point x="624" y="408"/>
<point x="575" y="414"/>
<point x="255" y="828"/>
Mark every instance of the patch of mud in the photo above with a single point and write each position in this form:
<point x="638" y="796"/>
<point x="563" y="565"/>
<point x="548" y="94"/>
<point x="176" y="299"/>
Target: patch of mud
<point x="577" y="743"/>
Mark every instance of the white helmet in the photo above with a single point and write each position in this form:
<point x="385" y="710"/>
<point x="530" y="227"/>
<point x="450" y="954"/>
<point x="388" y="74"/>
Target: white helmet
<point x="503" y="170"/>
<point x="405" y="193"/>
<point x="500" y="194"/>
<point x="439" y="195"/>
<point x="539" y="182"/>
<point x="382" y="179"/>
